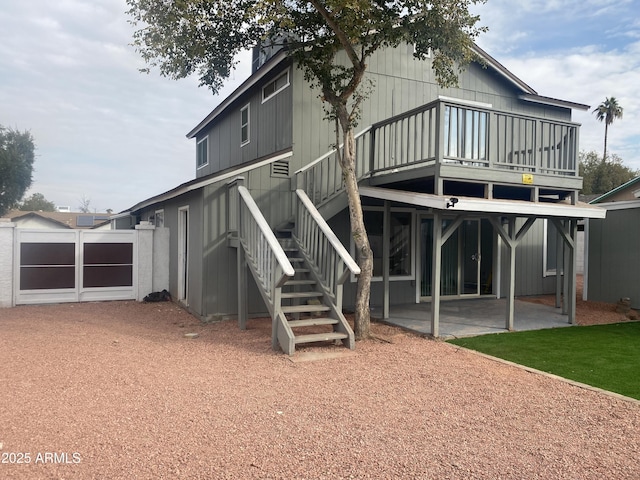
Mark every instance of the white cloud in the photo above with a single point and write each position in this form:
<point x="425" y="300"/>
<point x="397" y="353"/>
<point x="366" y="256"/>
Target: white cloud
<point x="105" y="131"/>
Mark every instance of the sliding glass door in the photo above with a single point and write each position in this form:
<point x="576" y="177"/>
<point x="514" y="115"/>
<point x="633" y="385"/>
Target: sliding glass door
<point x="465" y="255"/>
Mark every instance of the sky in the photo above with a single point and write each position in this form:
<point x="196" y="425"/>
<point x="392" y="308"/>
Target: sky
<point x="109" y="134"/>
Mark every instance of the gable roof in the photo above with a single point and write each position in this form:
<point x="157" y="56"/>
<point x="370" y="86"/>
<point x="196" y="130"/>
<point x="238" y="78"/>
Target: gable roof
<point x="616" y="190"/>
<point x="60" y="219"/>
<point x="528" y="94"/>
<point x="262" y="72"/>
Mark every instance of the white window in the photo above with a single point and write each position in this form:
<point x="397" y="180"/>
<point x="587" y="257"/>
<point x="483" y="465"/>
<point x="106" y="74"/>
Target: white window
<point x="401" y="245"/>
<point x="550" y="249"/>
<point x="276" y="86"/>
<point x="159" y="218"/>
<point x="202" y="153"/>
<point x="244" y="125"/>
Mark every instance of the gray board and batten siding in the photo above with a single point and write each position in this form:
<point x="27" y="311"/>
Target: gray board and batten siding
<point x="171" y="208"/>
<point x="401" y="83"/>
<point x="270" y="128"/>
<point x="614" y="256"/>
<point x="295" y="120"/>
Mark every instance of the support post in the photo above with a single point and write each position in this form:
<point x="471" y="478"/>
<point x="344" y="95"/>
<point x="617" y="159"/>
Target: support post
<point x="559" y="264"/>
<point x="144" y="232"/>
<point x="7" y="274"/>
<point x="242" y="288"/>
<point x="386" y="247"/>
<point x="435" y="273"/>
<point x="571" y="273"/>
<point x="242" y="269"/>
<point x="511" y="295"/>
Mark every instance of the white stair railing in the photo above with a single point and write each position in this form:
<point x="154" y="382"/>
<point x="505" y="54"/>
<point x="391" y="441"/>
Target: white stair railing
<point x="267" y="260"/>
<point x="322" y="247"/>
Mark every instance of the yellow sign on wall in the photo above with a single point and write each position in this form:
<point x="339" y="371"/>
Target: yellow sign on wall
<point x="527" y="178"/>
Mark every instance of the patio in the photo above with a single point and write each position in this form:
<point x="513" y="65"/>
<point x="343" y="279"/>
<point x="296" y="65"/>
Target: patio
<point x="470" y="317"/>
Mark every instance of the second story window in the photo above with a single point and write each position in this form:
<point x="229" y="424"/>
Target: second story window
<point x="275" y="86"/>
<point x="244" y="125"/>
<point x="202" y="153"/>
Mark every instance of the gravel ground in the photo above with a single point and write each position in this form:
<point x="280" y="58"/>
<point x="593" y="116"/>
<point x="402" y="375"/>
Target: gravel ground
<point x="115" y="390"/>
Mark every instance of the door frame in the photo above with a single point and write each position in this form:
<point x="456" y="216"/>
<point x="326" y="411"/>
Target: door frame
<point x="420" y="258"/>
<point x="183" y="254"/>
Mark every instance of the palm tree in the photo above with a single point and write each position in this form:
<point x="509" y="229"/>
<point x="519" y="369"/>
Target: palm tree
<point x="608" y="111"/>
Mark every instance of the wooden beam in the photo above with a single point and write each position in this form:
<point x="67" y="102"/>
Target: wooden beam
<point x="571" y="274"/>
<point x="386" y="246"/>
<point x="435" y="273"/>
<point x="242" y="287"/>
<point x="451" y="229"/>
<point x="511" y="291"/>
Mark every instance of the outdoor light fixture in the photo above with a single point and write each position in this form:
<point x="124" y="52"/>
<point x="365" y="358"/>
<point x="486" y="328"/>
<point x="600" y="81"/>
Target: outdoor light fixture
<point x="452" y="202"/>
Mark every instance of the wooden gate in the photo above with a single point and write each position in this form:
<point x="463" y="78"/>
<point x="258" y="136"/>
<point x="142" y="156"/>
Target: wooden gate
<point x="53" y="266"/>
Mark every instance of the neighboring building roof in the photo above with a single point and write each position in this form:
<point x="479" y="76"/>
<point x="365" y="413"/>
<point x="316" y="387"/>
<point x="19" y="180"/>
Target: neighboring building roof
<point x="77" y="220"/>
<point x="633" y="192"/>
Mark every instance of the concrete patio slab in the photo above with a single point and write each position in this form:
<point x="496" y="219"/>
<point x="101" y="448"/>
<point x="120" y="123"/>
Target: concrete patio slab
<point x="471" y="317"/>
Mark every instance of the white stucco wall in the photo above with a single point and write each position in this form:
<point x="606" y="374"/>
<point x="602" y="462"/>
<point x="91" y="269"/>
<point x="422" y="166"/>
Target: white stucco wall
<point x="7" y="230"/>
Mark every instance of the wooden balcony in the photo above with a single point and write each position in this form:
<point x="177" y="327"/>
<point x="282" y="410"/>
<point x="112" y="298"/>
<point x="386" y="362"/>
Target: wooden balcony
<point x="448" y="143"/>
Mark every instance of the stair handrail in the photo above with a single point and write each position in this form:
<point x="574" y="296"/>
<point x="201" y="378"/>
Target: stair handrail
<point x="322" y="178"/>
<point x="322" y="249"/>
<point x="259" y="238"/>
<point x="324" y="227"/>
<point x="309" y="166"/>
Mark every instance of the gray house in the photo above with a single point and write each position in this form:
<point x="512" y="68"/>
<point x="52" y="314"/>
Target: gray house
<point x="468" y="192"/>
<point x="612" y="269"/>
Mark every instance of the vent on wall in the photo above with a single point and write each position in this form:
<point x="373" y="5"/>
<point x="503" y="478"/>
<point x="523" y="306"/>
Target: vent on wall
<point x="280" y="168"/>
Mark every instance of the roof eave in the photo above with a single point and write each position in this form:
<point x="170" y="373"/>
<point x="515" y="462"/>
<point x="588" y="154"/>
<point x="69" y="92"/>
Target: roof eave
<point x="553" y="101"/>
<point x="238" y="92"/>
<point x="502" y="70"/>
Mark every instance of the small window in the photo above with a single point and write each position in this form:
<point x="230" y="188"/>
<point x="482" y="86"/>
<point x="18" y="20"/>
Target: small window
<point x="202" y="153"/>
<point x="244" y="125"/>
<point x="401" y="243"/>
<point x="276" y="86"/>
<point x="159" y="218"/>
<point x="550" y="251"/>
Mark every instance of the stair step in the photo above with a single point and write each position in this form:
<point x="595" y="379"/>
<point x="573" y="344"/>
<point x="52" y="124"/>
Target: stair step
<point x="296" y="259"/>
<point x="319" y="337"/>
<point x="300" y="282"/>
<point x="305" y="308"/>
<point x="312" y="322"/>
<point x="301" y="294"/>
<point x="301" y="270"/>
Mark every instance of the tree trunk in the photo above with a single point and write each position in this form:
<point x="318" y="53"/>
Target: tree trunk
<point x="604" y="154"/>
<point x="362" y="326"/>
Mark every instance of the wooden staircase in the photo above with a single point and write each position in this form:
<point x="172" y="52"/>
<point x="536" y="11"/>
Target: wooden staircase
<point x="309" y="310"/>
<point x="299" y="271"/>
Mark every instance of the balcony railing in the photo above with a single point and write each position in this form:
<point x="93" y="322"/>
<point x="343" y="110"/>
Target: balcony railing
<point x="453" y="133"/>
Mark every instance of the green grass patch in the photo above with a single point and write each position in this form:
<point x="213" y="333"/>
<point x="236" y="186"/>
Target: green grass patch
<point x="604" y="356"/>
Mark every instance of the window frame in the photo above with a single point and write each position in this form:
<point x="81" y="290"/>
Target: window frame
<point x="274" y="82"/>
<point x="547" y="271"/>
<point x="412" y="247"/>
<point x="243" y="141"/>
<point x="158" y="218"/>
<point x="206" y="150"/>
